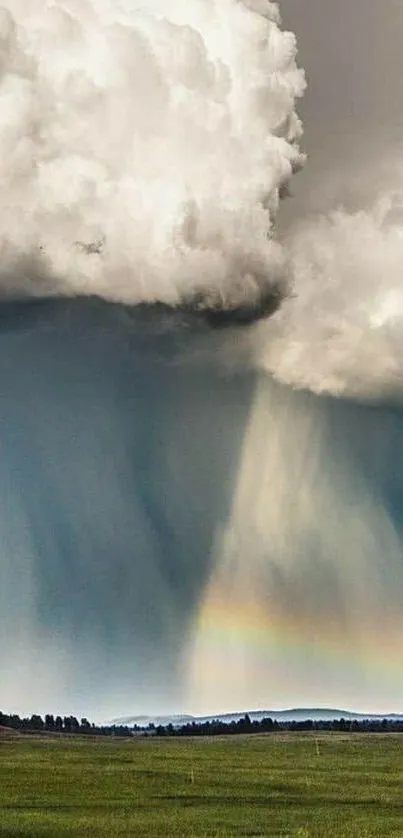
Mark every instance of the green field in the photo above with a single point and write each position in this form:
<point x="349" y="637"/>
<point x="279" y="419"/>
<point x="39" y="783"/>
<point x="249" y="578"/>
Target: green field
<point x="274" y="785"/>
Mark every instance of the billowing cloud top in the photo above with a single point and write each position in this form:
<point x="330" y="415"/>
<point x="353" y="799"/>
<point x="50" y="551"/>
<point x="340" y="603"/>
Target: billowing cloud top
<point x="341" y="330"/>
<point x="143" y="146"/>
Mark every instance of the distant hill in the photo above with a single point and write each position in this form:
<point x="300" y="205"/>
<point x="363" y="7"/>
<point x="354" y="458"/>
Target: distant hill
<point x="8" y="731"/>
<point x="144" y="721"/>
<point x="296" y="714"/>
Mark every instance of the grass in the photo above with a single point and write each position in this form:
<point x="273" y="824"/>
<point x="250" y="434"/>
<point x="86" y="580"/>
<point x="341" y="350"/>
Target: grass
<point x="287" y="786"/>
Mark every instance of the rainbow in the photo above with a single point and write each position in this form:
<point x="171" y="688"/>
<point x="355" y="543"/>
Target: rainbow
<point x="245" y="650"/>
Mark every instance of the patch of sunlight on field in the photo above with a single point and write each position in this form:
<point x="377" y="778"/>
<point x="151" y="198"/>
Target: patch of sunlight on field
<point x="282" y="786"/>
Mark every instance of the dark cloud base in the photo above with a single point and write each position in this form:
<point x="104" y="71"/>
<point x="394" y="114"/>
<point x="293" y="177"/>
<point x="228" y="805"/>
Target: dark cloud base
<point x="195" y="313"/>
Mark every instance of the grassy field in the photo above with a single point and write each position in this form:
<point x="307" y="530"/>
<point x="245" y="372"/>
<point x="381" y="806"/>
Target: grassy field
<point x="293" y="785"/>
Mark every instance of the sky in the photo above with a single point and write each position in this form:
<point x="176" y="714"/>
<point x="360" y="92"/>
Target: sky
<point x="197" y="515"/>
<point x="352" y="108"/>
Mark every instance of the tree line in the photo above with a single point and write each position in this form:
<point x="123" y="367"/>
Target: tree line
<point x="71" y="725"/>
<point x="61" y="724"/>
<point x="216" y="727"/>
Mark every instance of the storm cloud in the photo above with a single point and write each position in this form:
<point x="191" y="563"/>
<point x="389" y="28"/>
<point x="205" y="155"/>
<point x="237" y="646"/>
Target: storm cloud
<point x="185" y="522"/>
